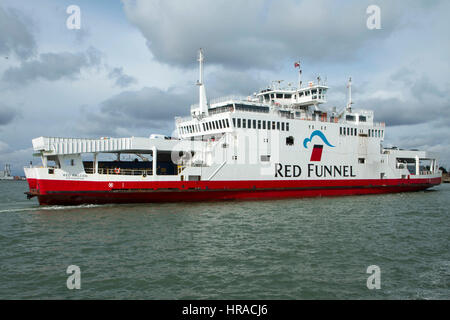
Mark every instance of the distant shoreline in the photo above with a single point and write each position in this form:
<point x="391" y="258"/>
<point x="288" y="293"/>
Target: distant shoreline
<point x="445" y="178"/>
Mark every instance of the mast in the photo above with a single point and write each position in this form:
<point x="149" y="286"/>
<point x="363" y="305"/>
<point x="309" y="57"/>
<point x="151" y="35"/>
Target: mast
<point x="203" y="104"/>
<point x="297" y="65"/>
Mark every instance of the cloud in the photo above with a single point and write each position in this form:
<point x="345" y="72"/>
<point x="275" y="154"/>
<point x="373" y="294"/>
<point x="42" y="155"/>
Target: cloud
<point x="258" y="34"/>
<point x="7" y="115"/>
<point x="121" y="79"/>
<point x="15" y="36"/>
<point x="53" y="66"/>
<point x="409" y="98"/>
<point x="132" y="111"/>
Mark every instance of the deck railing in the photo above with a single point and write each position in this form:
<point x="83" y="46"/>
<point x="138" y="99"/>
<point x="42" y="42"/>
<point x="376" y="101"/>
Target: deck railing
<point x="119" y="171"/>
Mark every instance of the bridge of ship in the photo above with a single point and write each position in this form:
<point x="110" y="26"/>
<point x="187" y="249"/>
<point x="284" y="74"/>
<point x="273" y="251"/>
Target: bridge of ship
<point x="151" y="156"/>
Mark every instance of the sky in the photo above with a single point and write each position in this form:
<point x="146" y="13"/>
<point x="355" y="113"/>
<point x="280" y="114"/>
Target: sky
<point x="131" y="66"/>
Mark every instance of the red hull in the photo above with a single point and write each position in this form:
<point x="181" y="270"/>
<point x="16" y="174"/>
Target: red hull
<point x="61" y="192"/>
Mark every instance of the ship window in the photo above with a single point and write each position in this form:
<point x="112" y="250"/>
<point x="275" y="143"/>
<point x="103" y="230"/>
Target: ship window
<point x="239" y="122"/>
<point x="203" y="125"/>
<point x="266" y="97"/>
<point x="273" y="125"/>
<point x="278" y="125"/>
<point x="264" y="124"/>
<point x="300" y="94"/>
<point x="279" y="96"/>
<point x="249" y="123"/>
<point x="350" y="118"/>
<point x="220" y="124"/>
<point x="244" y="123"/>
<point x="362" y="118"/>
<point x="348" y="131"/>
<point x="223" y="122"/>
<point x="254" y="124"/>
<point x="361" y="160"/>
<point x="234" y="122"/>
<point x="282" y="126"/>
<point x="268" y="125"/>
<point x="290" y="141"/>
<point x="272" y="95"/>
<point x="287" y="126"/>
<point x="259" y="124"/>
<point x="287" y="96"/>
<point x="265" y="158"/>
<point x="227" y="122"/>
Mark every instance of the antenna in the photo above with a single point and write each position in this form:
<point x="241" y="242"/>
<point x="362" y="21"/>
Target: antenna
<point x="349" y="103"/>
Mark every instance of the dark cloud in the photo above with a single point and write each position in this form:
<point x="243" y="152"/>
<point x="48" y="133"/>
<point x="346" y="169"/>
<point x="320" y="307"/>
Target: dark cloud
<point x="423" y="101"/>
<point x="259" y="34"/>
<point x="132" y="112"/>
<point x="121" y="79"/>
<point x="15" y="36"/>
<point x="53" y="66"/>
<point x="7" y="115"/>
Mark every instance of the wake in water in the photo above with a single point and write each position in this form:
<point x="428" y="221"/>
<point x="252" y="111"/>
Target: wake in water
<point x="83" y="206"/>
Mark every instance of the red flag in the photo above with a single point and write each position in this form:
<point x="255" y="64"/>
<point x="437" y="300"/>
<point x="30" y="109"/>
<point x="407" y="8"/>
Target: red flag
<point x="296" y="65"/>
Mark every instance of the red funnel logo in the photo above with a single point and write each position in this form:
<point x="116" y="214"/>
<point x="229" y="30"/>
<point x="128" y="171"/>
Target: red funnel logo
<point x="316" y="154"/>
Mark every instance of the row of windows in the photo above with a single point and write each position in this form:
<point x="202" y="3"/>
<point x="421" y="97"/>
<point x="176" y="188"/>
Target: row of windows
<point x="353" y="132"/>
<point x="348" y="131"/>
<point x="260" y="124"/>
<point x="207" y="126"/>
<point x="376" y="133"/>
<point x="353" y="118"/>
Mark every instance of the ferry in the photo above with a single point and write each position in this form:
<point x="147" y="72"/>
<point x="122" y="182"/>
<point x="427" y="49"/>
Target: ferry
<point x="276" y="143"/>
